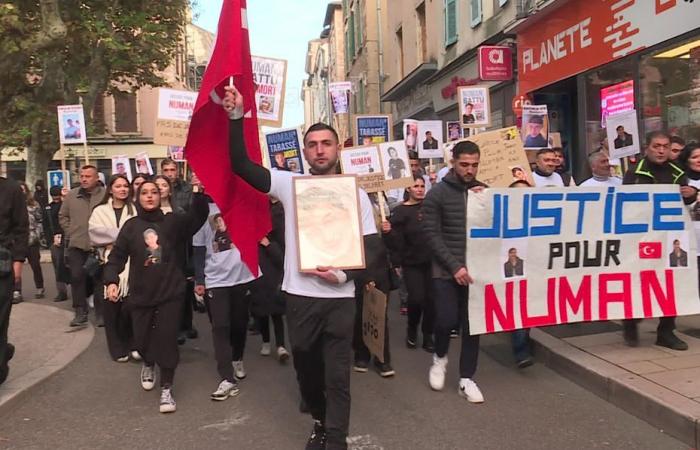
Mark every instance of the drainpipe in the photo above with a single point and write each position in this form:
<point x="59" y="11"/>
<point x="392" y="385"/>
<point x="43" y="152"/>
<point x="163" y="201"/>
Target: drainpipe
<point x="381" y="55"/>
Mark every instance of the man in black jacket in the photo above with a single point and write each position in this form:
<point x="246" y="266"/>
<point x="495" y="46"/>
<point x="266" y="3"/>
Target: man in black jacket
<point x="14" y="236"/>
<point x="656" y="168"/>
<point x="444" y="212"/>
<point x="54" y="235"/>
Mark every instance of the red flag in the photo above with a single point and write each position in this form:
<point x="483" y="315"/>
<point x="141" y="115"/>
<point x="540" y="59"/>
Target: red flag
<point x="245" y="210"/>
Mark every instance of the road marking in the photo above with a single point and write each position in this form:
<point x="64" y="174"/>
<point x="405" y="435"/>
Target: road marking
<point x="363" y="442"/>
<point x="225" y="425"/>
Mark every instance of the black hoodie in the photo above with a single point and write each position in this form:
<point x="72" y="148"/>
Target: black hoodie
<point x="155" y="272"/>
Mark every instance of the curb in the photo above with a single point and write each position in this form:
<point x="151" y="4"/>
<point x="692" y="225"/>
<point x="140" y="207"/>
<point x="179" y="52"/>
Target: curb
<point x="672" y="413"/>
<point x="12" y="391"/>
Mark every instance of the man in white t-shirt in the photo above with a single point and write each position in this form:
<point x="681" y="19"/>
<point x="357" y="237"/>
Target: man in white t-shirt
<point x="545" y="174"/>
<point x="223" y="280"/>
<point x="600" y="167"/>
<point x="320" y="305"/>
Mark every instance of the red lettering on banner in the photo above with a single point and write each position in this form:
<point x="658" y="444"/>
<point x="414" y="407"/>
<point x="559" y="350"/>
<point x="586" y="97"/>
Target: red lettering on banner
<point x="538" y="321"/>
<point x="666" y="300"/>
<point x="605" y="296"/>
<point x="492" y="306"/>
<point x="582" y="298"/>
<point x="663" y="5"/>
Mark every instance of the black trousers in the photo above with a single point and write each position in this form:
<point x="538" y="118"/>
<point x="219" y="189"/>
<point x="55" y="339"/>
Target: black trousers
<point x="187" y="307"/>
<point x="358" y="344"/>
<point x="264" y="327"/>
<point x="117" y="328"/>
<point x="320" y="331"/>
<point x="34" y="259"/>
<point x="78" y="276"/>
<point x="420" y="299"/>
<point x="6" y="284"/>
<point x="666" y="325"/>
<point x="59" y="267"/>
<point x="450" y="313"/>
<point x="228" y="313"/>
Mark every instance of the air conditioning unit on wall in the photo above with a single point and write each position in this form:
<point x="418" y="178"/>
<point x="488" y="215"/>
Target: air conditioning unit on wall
<point x="523" y="9"/>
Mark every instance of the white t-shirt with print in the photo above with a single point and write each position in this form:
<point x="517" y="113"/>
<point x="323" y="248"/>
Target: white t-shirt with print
<point x="554" y="180"/>
<point x="302" y="284"/>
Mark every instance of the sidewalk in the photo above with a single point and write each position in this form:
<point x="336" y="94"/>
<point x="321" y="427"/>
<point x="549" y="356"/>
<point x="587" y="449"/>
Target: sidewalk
<point x="44" y="345"/>
<point x="656" y="384"/>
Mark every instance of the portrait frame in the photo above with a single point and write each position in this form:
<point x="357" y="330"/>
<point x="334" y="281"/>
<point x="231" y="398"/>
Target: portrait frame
<point x="479" y="97"/>
<point x="402" y="153"/>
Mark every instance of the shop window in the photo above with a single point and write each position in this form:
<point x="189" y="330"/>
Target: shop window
<point x="670" y="88"/>
<point x="450" y="22"/>
<point x="476" y="13"/>
<point x="125" y="113"/>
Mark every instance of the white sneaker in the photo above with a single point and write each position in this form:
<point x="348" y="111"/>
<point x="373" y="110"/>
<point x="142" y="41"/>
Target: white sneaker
<point x="136" y="356"/>
<point x="148" y="376"/>
<point x="469" y="390"/>
<point x="167" y="402"/>
<point x="265" y="349"/>
<point x="123" y="359"/>
<point x="225" y="390"/>
<point x="282" y="354"/>
<point x="437" y="372"/>
<point x="238" y="370"/>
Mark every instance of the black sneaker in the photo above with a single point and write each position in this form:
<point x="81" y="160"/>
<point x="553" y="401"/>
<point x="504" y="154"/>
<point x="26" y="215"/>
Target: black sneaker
<point x="523" y="363"/>
<point x="4" y="367"/>
<point x="411" y="337"/>
<point x="631" y="334"/>
<point x="360" y="366"/>
<point x="671" y="341"/>
<point x="317" y="440"/>
<point x="428" y="344"/>
<point x="384" y="369"/>
<point x="80" y="319"/>
<point x="61" y="297"/>
<point x="181" y="338"/>
<point x="192" y="333"/>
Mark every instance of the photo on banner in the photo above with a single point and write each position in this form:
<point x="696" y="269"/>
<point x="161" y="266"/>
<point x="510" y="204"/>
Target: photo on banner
<point x="453" y="130"/>
<point x="340" y="96"/>
<point x="623" y="134"/>
<point x="269" y="76"/>
<point x="173" y="117"/>
<point x="474" y="106"/>
<point x="410" y="134"/>
<point x="535" y="127"/>
<point x="503" y="158"/>
<point x="284" y="148"/>
<point x="430" y="139"/>
<point x="397" y="170"/>
<point x="121" y="166"/>
<point x="143" y="163"/>
<point x="71" y="124"/>
<point x="328" y="224"/>
<point x="371" y="130"/>
<point x="366" y="163"/>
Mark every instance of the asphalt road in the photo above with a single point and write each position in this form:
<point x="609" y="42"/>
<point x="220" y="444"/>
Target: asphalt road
<point x="98" y="404"/>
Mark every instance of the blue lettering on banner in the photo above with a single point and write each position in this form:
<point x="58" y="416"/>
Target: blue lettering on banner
<point x="542" y="213"/>
<point x="373" y="126"/>
<point x="660" y="211"/>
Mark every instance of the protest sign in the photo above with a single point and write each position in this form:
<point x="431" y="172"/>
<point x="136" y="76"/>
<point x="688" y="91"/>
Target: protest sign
<point x="535" y="128"/>
<point x="173" y="119"/>
<point x="551" y="256"/>
<point x="71" y="124"/>
<point x="373" y="321"/>
<point x="327" y="215"/>
<point x="121" y="166"/>
<point x="143" y="163"/>
<point x="176" y="153"/>
<point x="623" y="134"/>
<point x="366" y="164"/>
<point x="397" y="170"/>
<point x="284" y="148"/>
<point x="372" y="129"/>
<point x="60" y="178"/>
<point x="270" y="76"/>
<point x="430" y="139"/>
<point x="474" y="106"/>
<point x="340" y="96"/>
<point x="410" y="134"/>
<point x="503" y="159"/>
<point x="453" y="130"/>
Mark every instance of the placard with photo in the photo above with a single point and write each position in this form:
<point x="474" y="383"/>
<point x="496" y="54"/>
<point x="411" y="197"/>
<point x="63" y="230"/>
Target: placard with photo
<point x="474" y="106"/>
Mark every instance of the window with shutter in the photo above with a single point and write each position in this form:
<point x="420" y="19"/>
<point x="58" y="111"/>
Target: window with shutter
<point x="351" y="36"/>
<point x="125" y="113"/>
<point x="450" y="22"/>
<point x="359" y="17"/>
<point x="475" y="13"/>
<point x="98" y="115"/>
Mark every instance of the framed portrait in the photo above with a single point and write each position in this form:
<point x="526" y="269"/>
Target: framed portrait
<point x="453" y="130"/>
<point x="366" y="164"/>
<point x="474" y="106"/>
<point x="623" y="134"/>
<point x="535" y="127"/>
<point x="369" y="130"/>
<point x="430" y="139"/>
<point x="328" y="223"/>
<point x="121" y="166"/>
<point x="143" y="163"/>
<point x="395" y="164"/>
<point x="71" y="124"/>
<point x="410" y="134"/>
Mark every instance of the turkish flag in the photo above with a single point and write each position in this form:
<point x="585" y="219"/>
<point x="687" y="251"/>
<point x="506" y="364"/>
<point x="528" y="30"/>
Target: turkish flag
<point x="246" y="211"/>
<point x="650" y="250"/>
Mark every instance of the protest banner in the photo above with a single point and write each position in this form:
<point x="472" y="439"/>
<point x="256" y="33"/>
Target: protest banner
<point x="143" y="163"/>
<point x="535" y="127"/>
<point x="340" y="96"/>
<point x="397" y="169"/>
<point x="474" y="106"/>
<point x="372" y="129"/>
<point x="327" y="215"/>
<point x="284" y="148"/>
<point x="542" y="257"/>
<point x="173" y="118"/>
<point x="623" y="134"/>
<point x="430" y="139"/>
<point x="373" y="321"/>
<point x="121" y="166"/>
<point x="503" y="159"/>
<point x="366" y="164"/>
<point x="269" y="75"/>
<point x="71" y="124"/>
<point x="60" y="178"/>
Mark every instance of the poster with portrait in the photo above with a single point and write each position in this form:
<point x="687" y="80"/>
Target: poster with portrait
<point x="269" y="76"/>
<point x="340" y="96"/>
<point x="395" y="164"/>
<point x="503" y="159"/>
<point x="143" y="163"/>
<point x="284" y="148"/>
<point x="175" y="109"/>
<point x="623" y="134"/>
<point x="453" y="130"/>
<point x="366" y="164"/>
<point x="430" y="139"/>
<point x="176" y="153"/>
<point x="474" y="106"/>
<point x="328" y="224"/>
<point x="60" y="178"/>
<point x="535" y="127"/>
<point x="410" y="134"/>
<point x="370" y="130"/>
<point x="121" y="166"/>
<point x="71" y="124"/>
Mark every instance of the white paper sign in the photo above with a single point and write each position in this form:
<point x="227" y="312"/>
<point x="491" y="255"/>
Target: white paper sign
<point x="71" y="124"/>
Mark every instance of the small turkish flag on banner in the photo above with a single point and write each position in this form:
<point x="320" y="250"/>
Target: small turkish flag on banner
<point x="650" y="250"/>
<point x="246" y="211"/>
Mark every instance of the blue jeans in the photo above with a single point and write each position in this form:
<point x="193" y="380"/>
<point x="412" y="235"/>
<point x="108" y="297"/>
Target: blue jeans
<point x="521" y="344"/>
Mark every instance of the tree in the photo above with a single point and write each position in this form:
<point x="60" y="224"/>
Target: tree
<point x="55" y="52"/>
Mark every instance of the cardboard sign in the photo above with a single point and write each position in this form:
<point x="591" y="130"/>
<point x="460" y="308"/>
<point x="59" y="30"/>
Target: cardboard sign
<point x="538" y="257"/>
<point x="373" y="321"/>
<point x="269" y="75"/>
<point x="397" y="169"/>
<point x="366" y="164"/>
<point x="173" y="119"/>
<point x="71" y="124"/>
<point x="284" y="148"/>
<point x="503" y="159"/>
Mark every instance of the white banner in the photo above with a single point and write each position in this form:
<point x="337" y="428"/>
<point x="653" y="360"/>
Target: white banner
<point x="269" y="75"/>
<point x="552" y="256"/>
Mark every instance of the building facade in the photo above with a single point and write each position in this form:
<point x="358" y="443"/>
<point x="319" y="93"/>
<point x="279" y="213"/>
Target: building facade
<point x="314" y="90"/>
